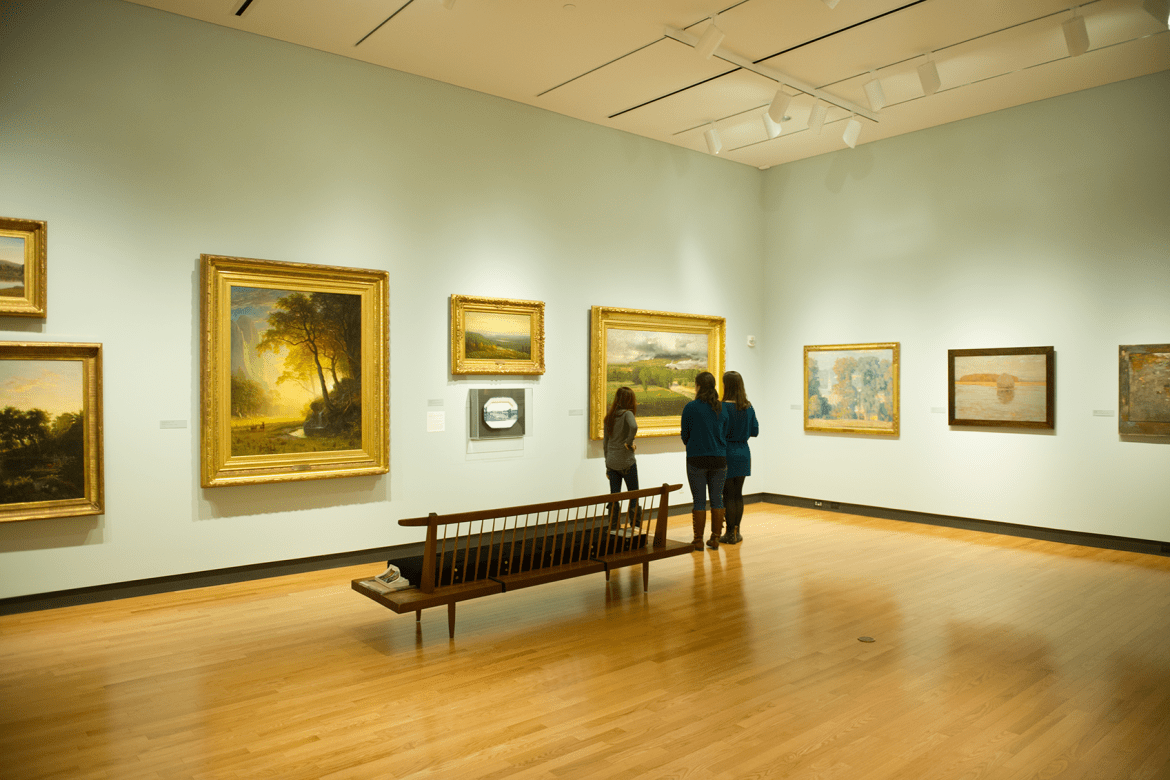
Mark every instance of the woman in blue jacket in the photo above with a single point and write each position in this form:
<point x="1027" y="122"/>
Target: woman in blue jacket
<point x="704" y="431"/>
<point x="742" y="425"/>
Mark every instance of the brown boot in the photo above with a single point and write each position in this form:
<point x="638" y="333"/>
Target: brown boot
<point x="699" y="520"/>
<point x="716" y="527"/>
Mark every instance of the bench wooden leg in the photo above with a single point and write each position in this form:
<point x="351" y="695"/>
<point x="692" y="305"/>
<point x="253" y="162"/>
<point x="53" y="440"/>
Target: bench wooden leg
<point x="451" y="619"/>
<point x="607" y="575"/>
<point x="646" y="575"/>
<point x="417" y="615"/>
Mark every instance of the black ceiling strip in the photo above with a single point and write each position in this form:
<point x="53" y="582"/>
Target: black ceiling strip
<point x="379" y="27"/>
<point x="599" y="67"/>
<point x="243" y="7"/>
<point x="668" y="94"/>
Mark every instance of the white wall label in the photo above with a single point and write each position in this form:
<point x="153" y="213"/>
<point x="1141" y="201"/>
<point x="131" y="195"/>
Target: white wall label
<point x="796" y="407"/>
<point x="436" y="422"/>
<point x="434" y="402"/>
<point x="576" y="412"/>
<point x="938" y="410"/>
<point x="1102" y="412"/>
<point x="170" y="424"/>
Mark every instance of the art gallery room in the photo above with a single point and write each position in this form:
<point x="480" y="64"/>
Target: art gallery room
<point x="292" y="291"/>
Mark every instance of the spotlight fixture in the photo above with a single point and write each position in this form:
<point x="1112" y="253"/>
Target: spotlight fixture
<point x="1076" y="35"/>
<point x="1159" y="9"/>
<point x="779" y="106"/>
<point x="874" y="93"/>
<point x="709" y="41"/>
<point x="831" y="3"/>
<point x="852" y="131"/>
<point x="928" y="76"/>
<point x="816" y="117"/>
<point x="714" y="145"/>
<point x="771" y="126"/>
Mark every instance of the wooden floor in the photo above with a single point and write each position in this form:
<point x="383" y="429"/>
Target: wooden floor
<point x="995" y="657"/>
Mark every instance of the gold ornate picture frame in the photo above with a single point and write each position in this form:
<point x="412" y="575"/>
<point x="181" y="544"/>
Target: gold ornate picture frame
<point x="295" y="371"/>
<point x="50" y="430"/>
<point x="496" y="336"/>
<point x="23" y="260"/>
<point x="657" y="354"/>
<point x="852" y="388"/>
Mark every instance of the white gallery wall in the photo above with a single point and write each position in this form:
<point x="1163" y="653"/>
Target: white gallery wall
<point x="146" y="139"/>
<point x="1042" y="225"/>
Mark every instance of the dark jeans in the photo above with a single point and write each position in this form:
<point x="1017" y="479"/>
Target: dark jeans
<point x="733" y="501"/>
<point x="704" y="482"/>
<point x="615" y="482"/>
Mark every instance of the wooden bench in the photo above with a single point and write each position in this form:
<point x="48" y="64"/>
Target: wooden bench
<point x="473" y="554"/>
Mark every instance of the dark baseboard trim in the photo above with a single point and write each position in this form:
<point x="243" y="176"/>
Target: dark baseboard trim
<point x="1102" y="541"/>
<point x="259" y="571"/>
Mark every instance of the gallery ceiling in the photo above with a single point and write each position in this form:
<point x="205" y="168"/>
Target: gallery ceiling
<point x="632" y="64"/>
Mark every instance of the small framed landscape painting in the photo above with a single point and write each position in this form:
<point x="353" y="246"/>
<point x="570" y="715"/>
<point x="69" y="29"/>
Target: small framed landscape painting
<point x="657" y="355"/>
<point x="23" y="256"/>
<point x="50" y="430"/>
<point x="1013" y="387"/>
<point x="497" y="413"/>
<point x="496" y="336"/>
<point x="852" y="388"/>
<point x="295" y="371"/>
<point x="1144" y="390"/>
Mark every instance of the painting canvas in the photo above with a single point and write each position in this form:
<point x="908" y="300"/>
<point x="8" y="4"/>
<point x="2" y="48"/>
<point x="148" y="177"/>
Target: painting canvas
<point x="294" y="371"/>
<point x="1144" y="390"/>
<point x="22" y="267"/>
<point x="496" y="336"/>
<point x="1003" y="387"/>
<point x="50" y="430"/>
<point x="852" y="388"/>
<point x="657" y="355"/>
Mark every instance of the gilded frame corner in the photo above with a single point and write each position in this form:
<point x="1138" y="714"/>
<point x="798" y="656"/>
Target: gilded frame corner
<point x="604" y="318"/>
<point x="867" y="425"/>
<point x="218" y="465"/>
<point x="33" y="302"/>
<point x="462" y="365"/>
<point x="92" y="500"/>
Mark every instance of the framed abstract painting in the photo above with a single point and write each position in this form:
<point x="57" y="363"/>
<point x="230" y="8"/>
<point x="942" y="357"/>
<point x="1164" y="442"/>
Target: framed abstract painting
<point x="1144" y="390"/>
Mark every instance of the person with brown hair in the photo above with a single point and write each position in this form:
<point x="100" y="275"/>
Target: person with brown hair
<point x="704" y="431"/>
<point x="620" y="428"/>
<point x="742" y="425"/>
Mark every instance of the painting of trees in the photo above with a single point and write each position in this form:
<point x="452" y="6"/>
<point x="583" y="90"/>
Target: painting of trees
<point x="851" y="387"/>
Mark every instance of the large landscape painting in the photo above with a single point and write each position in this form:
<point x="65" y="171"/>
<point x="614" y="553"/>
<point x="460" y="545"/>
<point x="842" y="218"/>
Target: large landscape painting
<point x="295" y="379"/>
<point x="655" y="354"/>
<point x="852" y="388"/>
<point x="490" y="335"/>
<point x="1011" y="387"/>
<point x="295" y="371"/>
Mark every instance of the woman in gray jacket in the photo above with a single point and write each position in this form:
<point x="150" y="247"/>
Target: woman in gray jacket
<point x="618" y="442"/>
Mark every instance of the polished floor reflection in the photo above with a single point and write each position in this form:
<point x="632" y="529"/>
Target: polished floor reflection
<point x="994" y="657"/>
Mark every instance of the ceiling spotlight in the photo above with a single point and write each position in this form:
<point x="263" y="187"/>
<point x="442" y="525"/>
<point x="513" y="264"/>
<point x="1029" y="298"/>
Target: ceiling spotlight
<point x="928" y="77"/>
<point x="709" y="41"/>
<point x="779" y="106"/>
<point x="1076" y="36"/>
<point x="771" y="127"/>
<point x="831" y="3"/>
<point x="1159" y="9"/>
<point x="875" y="94"/>
<point x="852" y="131"/>
<point x="816" y="117"/>
<point x="714" y="145"/>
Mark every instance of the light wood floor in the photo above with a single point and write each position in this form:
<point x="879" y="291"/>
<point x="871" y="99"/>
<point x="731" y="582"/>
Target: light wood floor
<point x="994" y="657"/>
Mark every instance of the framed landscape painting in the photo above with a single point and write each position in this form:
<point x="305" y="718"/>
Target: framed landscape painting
<point x="1012" y="387"/>
<point x="1144" y="390"/>
<point x="50" y="430"/>
<point x="496" y="336"/>
<point x="852" y="388"/>
<point x="657" y="355"/>
<point x="23" y="261"/>
<point x="295" y="371"/>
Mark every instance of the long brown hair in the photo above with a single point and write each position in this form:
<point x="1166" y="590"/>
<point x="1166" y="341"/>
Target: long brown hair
<point x="623" y="399"/>
<point x="706" y="391"/>
<point x="733" y="390"/>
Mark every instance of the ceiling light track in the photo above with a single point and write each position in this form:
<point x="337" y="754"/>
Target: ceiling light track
<point x="775" y="75"/>
<point x="379" y="27"/>
<point x="244" y="7"/>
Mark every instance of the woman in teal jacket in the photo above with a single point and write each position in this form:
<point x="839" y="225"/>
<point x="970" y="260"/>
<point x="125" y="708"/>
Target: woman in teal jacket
<point x="742" y="426"/>
<point x="704" y="431"/>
